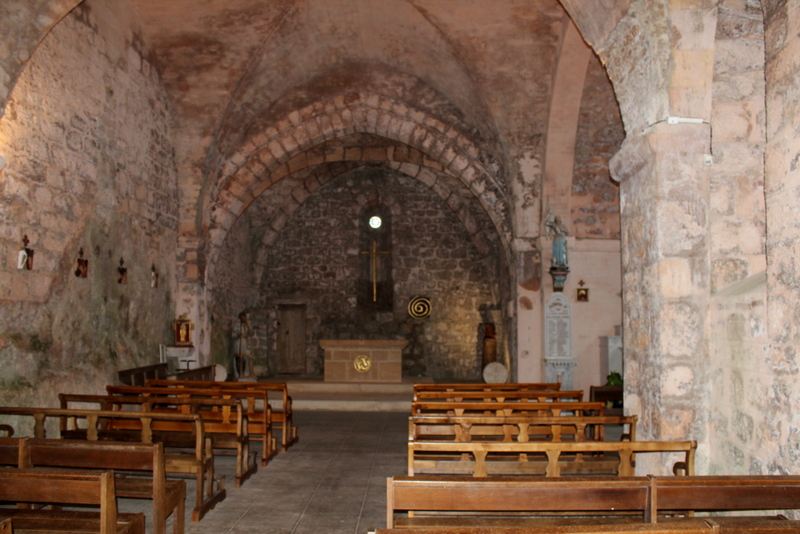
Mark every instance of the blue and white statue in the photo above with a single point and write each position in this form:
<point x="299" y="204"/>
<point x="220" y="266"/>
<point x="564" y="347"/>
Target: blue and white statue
<point x="558" y="231"/>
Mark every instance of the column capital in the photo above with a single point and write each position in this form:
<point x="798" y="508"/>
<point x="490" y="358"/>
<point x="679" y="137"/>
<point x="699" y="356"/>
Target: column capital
<point x="640" y="150"/>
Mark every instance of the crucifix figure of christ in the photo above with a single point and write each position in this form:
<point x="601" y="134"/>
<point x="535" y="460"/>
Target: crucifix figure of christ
<point x="374" y="253"/>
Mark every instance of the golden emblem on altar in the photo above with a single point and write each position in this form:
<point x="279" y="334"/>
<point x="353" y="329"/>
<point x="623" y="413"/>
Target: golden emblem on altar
<point x="362" y="363"/>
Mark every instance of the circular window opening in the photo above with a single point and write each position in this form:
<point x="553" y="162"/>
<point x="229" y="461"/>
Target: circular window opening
<point x="375" y="222"/>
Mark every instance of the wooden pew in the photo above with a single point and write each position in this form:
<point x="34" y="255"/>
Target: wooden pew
<point x="223" y="419"/>
<point x="199" y="462"/>
<point x="750" y="525"/>
<point x="470" y="386"/>
<point x="255" y="405"/>
<point x="499" y="396"/>
<point x="521" y="428"/>
<point x="7" y="431"/>
<point x="282" y="417"/>
<point x="200" y="373"/>
<point x="494" y="458"/>
<point x="168" y="496"/>
<point x="506" y="408"/>
<point x="455" y="501"/>
<point x="42" y="486"/>
<point x="137" y="376"/>
<point x="9" y="451"/>
<point x="5" y="525"/>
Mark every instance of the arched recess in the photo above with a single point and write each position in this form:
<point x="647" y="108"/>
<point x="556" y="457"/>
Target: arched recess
<point x="299" y="142"/>
<point x="306" y="182"/>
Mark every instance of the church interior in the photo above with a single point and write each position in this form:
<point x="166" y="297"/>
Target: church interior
<point x="557" y="181"/>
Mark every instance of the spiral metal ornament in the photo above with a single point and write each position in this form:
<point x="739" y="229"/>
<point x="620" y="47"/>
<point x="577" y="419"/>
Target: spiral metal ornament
<point x="419" y="307"/>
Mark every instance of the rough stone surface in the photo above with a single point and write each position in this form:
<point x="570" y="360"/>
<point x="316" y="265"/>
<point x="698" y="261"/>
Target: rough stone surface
<point x="315" y="260"/>
<point x="90" y="165"/>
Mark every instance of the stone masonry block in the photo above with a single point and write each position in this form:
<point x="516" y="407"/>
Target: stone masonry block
<point x="675" y="277"/>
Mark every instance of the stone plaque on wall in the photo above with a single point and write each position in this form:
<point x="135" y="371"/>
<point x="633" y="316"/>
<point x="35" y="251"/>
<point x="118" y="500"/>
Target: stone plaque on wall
<point x="558" y="341"/>
<point x="558" y="328"/>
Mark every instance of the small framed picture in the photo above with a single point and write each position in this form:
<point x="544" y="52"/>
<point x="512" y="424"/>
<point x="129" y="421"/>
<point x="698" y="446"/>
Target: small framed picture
<point x="582" y="294"/>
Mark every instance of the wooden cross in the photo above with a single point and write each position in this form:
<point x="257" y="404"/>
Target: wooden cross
<point x="374" y="253"/>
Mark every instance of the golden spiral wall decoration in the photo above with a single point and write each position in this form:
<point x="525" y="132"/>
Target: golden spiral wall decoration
<point x="419" y="307"/>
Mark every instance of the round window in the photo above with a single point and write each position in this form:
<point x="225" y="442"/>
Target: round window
<point x="375" y="222"/>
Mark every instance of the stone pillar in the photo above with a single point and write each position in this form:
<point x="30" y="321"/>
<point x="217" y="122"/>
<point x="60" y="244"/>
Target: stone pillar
<point x="191" y="296"/>
<point x="664" y="188"/>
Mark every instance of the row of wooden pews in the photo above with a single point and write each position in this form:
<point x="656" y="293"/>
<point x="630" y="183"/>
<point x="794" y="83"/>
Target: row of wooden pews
<point x="491" y="459"/>
<point x="190" y="421"/>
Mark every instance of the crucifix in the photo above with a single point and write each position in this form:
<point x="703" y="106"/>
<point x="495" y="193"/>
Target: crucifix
<point x="374" y="253"/>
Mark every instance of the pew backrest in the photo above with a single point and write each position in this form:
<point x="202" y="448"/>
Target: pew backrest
<point x="643" y="496"/>
<point x="507" y="408"/>
<point x="62" y="487"/>
<point x="470" y="386"/>
<point x="500" y="396"/>
<point x="520" y="428"/>
<point x="484" y="454"/>
<point x="137" y="376"/>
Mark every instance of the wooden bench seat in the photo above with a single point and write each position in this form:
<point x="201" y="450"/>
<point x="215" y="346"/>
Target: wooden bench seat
<point x="255" y="406"/>
<point x="281" y="414"/>
<point x="44" y="486"/>
<point x="526" y="501"/>
<point x="521" y="428"/>
<point x="500" y="396"/>
<point x="748" y="525"/>
<point x="168" y="496"/>
<point x="92" y="424"/>
<point x="223" y="419"/>
<point x="480" y="386"/>
<point x="481" y="459"/>
<point x="506" y="408"/>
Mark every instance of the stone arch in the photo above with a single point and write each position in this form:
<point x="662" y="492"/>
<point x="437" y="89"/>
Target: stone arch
<point x="310" y="180"/>
<point x="298" y="142"/>
<point x="23" y="29"/>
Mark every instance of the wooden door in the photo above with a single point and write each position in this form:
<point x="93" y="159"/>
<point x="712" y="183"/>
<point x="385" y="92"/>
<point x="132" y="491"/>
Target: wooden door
<point x="291" y="339"/>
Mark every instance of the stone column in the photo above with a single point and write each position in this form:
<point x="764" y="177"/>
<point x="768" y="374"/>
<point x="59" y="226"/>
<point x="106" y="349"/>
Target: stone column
<point x="191" y="295"/>
<point x="664" y="188"/>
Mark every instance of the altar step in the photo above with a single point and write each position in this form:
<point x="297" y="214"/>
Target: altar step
<point x="317" y="395"/>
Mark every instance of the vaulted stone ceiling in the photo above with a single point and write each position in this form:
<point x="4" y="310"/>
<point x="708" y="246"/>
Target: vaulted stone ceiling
<point x="233" y="66"/>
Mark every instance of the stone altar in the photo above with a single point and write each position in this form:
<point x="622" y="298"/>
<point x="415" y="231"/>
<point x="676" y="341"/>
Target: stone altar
<point x="363" y="360"/>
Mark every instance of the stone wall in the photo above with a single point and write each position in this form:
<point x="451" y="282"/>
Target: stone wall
<point x="89" y="165"/>
<point x="739" y="379"/>
<point x="595" y="197"/>
<point x="315" y="261"/>
<point x="780" y="392"/>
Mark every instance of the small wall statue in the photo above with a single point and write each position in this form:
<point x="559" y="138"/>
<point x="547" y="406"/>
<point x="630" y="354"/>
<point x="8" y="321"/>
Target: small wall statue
<point x="559" y="263"/>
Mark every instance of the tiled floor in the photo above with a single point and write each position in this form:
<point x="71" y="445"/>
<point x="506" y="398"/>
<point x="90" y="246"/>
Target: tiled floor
<point x="334" y="477"/>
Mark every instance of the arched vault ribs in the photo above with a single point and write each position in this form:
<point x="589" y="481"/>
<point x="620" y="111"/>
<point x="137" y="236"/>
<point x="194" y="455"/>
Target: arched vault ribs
<point x="411" y="142"/>
<point x="293" y="190"/>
